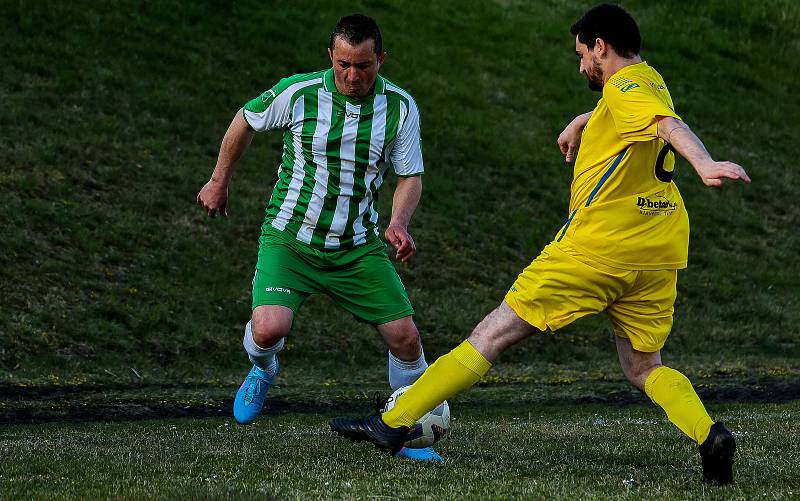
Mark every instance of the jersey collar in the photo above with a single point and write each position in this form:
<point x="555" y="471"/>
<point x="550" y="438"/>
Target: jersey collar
<point x="329" y="85"/>
<point x="631" y="67"/>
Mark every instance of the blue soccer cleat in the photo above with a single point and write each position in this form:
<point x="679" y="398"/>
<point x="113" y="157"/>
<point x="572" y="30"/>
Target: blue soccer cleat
<point x="426" y="454"/>
<point x="251" y="395"/>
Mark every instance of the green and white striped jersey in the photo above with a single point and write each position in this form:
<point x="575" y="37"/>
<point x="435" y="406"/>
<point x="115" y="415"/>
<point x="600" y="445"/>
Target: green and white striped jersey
<point x="336" y="153"/>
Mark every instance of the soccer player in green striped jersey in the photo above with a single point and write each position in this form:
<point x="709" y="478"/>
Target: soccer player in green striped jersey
<point x="344" y="129"/>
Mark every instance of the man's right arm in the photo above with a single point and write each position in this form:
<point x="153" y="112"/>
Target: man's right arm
<point x="685" y="142"/>
<point x="213" y="197"/>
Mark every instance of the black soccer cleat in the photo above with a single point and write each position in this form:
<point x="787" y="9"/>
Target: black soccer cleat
<point x="716" y="454"/>
<point x="371" y="429"/>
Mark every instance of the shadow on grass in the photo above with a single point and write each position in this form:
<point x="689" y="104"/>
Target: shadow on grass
<point x="22" y="404"/>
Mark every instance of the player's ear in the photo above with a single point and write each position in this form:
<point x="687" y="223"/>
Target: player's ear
<point x="600" y="47"/>
<point x="381" y="58"/>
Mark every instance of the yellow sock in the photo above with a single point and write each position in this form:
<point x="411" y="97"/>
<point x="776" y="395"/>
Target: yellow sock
<point x="672" y="391"/>
<point x="448" y="376"/>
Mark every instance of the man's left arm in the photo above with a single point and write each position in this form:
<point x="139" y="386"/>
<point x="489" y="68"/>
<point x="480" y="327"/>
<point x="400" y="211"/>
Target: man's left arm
<point x="406" y="158"/>
<point x="404" y="203"/>
<point x="570" y="138"/>
<point x="685" y="142"/>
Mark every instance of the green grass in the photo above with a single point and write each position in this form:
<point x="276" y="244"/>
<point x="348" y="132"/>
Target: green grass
<point x="540" y="451"/>
<point x="121" y="301"/>
<point x="537" y="431"/>
<point x="113" y="113"/>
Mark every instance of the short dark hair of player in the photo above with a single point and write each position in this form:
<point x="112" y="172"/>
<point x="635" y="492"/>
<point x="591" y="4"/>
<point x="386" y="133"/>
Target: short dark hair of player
<point x="613" y="24"/>
<point x="357" y="28"/>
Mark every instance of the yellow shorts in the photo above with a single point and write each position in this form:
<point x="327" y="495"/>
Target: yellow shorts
<point x="559" y="287"/>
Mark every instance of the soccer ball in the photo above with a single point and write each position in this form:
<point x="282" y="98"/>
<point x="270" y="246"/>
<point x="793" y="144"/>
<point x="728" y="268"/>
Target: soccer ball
<point x="430" y="428"/>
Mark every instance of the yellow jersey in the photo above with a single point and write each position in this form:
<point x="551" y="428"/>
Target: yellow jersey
<point x="624" y="209"/>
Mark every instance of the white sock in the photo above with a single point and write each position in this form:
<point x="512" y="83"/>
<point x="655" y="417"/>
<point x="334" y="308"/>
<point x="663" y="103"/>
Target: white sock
<point x="263" y="358"/>
<point x="403" y="373"/>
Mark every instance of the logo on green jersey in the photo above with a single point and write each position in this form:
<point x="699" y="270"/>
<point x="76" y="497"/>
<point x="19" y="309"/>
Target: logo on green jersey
<point x="348" y="114"/>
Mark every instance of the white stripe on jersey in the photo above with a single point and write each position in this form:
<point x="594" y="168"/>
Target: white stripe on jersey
<point x="277" y="114"/>
<point x="346" y="175"/>
<point x="377" y="137"/>
<point x="378" y="182"/>
<point x="319" y="152"/>
<point x="293" y="191"/>
<point x="406" y="152"/>
<point x="403" y="108"/>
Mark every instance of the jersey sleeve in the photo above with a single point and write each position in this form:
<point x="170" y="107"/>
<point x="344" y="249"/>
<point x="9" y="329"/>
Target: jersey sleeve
<point x="406" y="156"/>
<point x="270" y="110"/>
<point x="636" y="108"/>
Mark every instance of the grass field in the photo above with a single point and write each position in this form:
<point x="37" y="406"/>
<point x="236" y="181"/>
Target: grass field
<point x="122" y="305"/>
<point x="542" y="451"/>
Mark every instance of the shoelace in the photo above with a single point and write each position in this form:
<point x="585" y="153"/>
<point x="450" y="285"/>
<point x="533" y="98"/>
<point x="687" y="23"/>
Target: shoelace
<point x="378" y="402"/>
<point x="253" y="389"/>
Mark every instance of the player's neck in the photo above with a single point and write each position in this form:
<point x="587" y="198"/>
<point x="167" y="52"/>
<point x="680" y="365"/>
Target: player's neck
<point x="618" y="63"/>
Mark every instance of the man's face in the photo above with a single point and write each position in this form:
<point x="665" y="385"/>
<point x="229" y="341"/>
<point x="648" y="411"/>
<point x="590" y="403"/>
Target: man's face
<point x="355" y="67"/>
<point x="590" y="65"/>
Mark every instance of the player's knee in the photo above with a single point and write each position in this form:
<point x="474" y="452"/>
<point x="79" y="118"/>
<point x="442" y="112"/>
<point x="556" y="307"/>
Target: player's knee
<point x="268" y="331"/>
<point x="406" y="343"/>
<point x="637" y="375"/>
<point x="409" y="338"/>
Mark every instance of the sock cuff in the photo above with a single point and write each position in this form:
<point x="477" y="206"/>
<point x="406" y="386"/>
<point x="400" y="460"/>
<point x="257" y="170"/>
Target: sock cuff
<point x="651" y="379"/>
<point x="250" y="343"/>
<point x="407" y="365"/>
<point x="466" y="355"/>
<point x="702" y="429"/>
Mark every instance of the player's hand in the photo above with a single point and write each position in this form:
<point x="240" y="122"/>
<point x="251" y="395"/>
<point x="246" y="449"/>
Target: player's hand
<point x="570" y="138"/>
<point x="214" y="198"/>
<point x="712" y="173"/>
<point x="401" y="240"/>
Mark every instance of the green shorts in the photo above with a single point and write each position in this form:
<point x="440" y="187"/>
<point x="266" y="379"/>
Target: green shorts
<point x="361" y="280"/>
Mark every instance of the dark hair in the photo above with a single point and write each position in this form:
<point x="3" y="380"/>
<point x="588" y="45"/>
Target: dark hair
<point x="611" y="23"/>
<point x="357" y="28"/>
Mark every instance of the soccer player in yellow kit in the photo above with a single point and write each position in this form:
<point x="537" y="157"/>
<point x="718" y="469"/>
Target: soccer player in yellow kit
<point x="619" y="250"/>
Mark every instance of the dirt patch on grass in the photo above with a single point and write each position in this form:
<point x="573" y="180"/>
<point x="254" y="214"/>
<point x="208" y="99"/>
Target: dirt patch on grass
<point x="21" y="404"/>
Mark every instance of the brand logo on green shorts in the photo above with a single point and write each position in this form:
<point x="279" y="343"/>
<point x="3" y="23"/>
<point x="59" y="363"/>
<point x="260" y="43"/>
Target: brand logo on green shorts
<point x="277" y="289"/>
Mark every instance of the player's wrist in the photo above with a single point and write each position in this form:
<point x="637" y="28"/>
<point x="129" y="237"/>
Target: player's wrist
<point x="703" y="166"/>
<point x="221" y="181"/>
